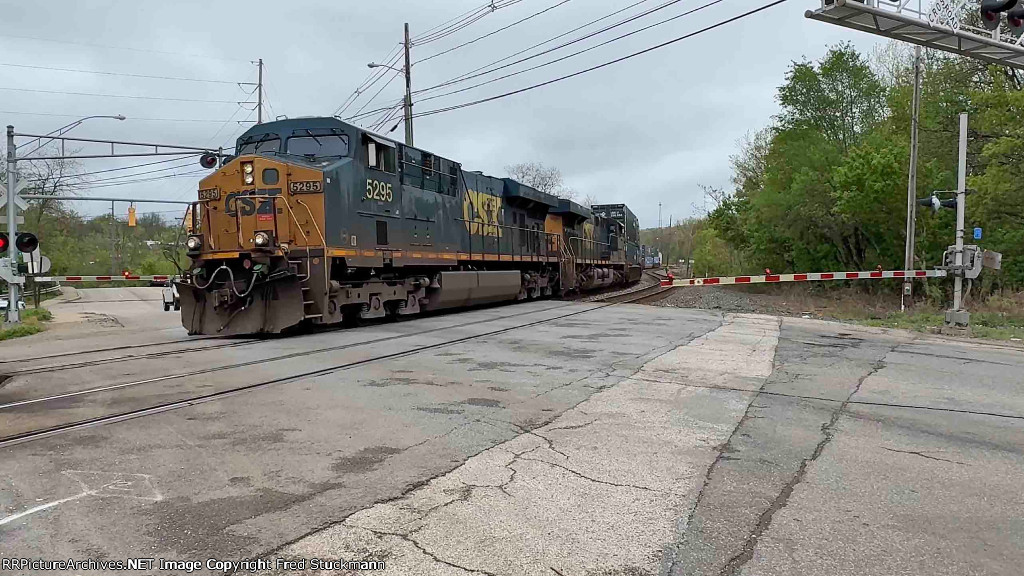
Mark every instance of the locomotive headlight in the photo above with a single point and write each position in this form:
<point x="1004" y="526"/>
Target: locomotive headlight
<point x="248" y="178"/>
<point x="247" y="173"/>
<point x="194" y="243"/>
<point x="247" y="167"/>
<point x="261" y="239"/>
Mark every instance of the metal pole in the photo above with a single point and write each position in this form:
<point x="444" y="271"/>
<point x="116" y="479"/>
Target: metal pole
<point x="908" y="259"/>
<point x="408" y="89"/>
<point x="961" y="193"/>
<point x="113" y="243"/>
<point x="13" y="315"/>
<point x="259" y="94"/>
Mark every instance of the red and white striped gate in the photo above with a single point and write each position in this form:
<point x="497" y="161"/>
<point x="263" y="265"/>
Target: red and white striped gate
<point x="804" y="277"/>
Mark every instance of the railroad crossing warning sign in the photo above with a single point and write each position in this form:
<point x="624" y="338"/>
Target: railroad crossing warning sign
<point x="18" y="200"/>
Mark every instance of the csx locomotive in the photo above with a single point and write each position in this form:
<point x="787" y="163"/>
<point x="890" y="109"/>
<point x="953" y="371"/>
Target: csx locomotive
<point x="315" y="221"/>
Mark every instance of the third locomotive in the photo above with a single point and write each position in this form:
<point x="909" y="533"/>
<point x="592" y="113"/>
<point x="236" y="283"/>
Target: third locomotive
<point x="316" y="221"/>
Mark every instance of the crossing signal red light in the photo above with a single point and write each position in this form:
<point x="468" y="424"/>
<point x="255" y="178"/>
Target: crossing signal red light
<point x="990" y="10"/>
<point x="26" y="242"/>
<point x="126" y="273"/>
<point x="4" y="242"/>
<point x="208" y="160"/>
<point x="1015" y="20"/>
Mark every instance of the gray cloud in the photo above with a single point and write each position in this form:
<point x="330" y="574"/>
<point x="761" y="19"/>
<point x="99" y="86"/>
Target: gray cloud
<point x="644" y="131"/>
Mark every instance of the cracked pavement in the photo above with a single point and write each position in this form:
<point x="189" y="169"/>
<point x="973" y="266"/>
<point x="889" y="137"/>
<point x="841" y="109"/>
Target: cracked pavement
<point x="626" y="441"/>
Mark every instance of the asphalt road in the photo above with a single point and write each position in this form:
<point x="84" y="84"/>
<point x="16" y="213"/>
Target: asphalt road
<point x="542" y="438"/>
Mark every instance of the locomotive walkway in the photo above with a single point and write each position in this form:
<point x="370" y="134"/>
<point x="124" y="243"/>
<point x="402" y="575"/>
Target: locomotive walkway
<point x="546" y="438"/>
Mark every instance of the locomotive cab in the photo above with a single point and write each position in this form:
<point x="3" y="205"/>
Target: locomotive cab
<point x="256" y="231"/>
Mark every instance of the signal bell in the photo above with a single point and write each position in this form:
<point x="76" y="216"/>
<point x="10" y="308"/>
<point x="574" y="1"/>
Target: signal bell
<point x="208" y="160"/>
<point x="26" y="242"/>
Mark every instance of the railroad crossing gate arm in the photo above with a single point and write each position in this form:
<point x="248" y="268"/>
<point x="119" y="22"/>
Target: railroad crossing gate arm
<point x="804" y="277"/>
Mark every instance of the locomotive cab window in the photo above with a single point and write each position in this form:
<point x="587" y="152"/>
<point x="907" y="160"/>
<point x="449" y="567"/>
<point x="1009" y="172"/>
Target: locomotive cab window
<point x="380" y="154"/>
<point x="260" y="144"/>
<point x="314" y="146"/>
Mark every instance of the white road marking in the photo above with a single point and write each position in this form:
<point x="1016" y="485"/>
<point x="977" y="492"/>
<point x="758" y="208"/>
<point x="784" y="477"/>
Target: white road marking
<point x="42" y="507"/>
<point x="114" y="484"/>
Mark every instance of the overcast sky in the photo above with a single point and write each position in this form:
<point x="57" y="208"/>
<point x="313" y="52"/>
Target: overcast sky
<point x="647" y="130"/>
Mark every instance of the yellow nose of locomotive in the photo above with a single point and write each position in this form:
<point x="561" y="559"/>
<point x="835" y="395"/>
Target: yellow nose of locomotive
<point x="257" y="204"/>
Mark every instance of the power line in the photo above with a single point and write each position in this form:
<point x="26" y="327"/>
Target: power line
<point x="126" y="74"/>
<point x="89" y="186"/>
<point x="63" y="93"/>
<point x="599" y="66"/>
<point x="487" y="69"/>
<point x="132" y="49"/>
<point x="577" y="53"/>
<point x="374" y="77"/>
<point x="374" y="97"/>
<point x="489" y="34"/>
<point x="116" y="169"/>
<point x="49" y="114"/>
<point x="461" y="23"/>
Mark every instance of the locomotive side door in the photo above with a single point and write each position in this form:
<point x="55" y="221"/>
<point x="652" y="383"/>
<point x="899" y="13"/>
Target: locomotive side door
<point x="380" y="206"/>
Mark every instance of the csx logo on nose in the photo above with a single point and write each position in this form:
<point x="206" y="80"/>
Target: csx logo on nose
<point x="238" y="201"/>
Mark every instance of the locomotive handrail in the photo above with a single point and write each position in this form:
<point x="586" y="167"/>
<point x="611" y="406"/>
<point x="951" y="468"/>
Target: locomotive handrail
<point x="512" y="248"/>
<point x="327" y="274"/>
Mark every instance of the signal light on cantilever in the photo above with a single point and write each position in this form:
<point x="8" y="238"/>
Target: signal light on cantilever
<point x="1015" y="20"/>
<point x="990" y="10"/>
<point x="208" y="160"/>
<point x="4" y="242"/>
<point x="26" y="242"/>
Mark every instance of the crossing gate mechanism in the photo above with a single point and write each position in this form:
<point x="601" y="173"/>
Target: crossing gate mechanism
<point x="128" y="278"/>
<point x="805" y="277"/>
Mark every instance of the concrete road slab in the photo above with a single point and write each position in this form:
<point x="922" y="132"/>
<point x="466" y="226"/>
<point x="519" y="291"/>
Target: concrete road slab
<point x="242" y="475"/>
<point x="596" y="491"/>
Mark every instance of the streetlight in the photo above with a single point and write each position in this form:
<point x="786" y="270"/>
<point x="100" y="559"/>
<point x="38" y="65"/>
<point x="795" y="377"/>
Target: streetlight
<point x="407" y="70"/>
<point x="65" y="129"/>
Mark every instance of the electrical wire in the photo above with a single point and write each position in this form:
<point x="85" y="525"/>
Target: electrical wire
<point x="463" y="23"/>
<point x="489" y="34"/>
<point x="108" y="47"/>
<point x="121" y="168"/>
<point x="125" y="74"/>
<point x="53" y="115"/>
<point x="165" y="98"/>
<point x="577" y="53"/>
<point x="90" y="186"/>
<point x="602" y="65"/>
<point x="488" y="69"/>
<point x="374" y="77"/>
<point x="374" y="97"/>
<point x="430" y="35"/>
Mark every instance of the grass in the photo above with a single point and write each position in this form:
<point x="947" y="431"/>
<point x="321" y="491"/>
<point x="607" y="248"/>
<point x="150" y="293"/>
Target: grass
<point x="991" y="325"/>
<point x="31" y="323"/>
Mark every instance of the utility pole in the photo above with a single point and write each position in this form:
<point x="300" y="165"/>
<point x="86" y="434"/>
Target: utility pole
<point x="908" y="259"/>
<point x="259" y="93"/>
<point x="14" y="297"/>
<point x="408" y="89"/>
<point x="113" y="243"/>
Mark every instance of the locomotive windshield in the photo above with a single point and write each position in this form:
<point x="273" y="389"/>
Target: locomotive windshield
<point x="259" y="144"/>
<point x="318" y="146"/>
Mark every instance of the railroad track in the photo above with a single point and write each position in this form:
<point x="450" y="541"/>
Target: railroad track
<point x="644" y="295"/>
<point x="65" y="404"/>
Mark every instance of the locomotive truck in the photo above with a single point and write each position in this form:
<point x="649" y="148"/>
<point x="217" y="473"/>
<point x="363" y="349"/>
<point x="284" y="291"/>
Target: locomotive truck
<point x="316" y="221"/>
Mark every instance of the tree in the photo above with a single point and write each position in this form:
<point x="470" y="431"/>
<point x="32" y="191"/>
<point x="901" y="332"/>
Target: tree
<point x="547" y="179"/>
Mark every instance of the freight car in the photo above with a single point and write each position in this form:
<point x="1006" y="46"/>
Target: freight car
<point x="316" y="221"/>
